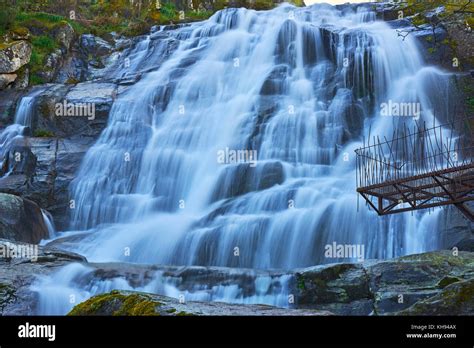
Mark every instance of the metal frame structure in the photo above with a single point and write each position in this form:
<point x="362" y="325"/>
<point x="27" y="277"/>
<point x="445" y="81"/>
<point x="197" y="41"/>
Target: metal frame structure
<point x="418" y="169"/>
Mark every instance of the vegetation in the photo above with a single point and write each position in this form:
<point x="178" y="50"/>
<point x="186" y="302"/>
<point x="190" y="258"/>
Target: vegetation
<point x="43" y="133"/>
<point x="456" y="15"/>
<point x="459" y="12"/>
<point x="117" y="304"/>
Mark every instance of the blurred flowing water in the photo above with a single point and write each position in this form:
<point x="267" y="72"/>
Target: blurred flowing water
<point x="13" y="136"/>
<point x="300" y="86"/>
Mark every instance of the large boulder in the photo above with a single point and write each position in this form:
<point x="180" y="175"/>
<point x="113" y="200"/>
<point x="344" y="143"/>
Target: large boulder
<point x="380" y="287"/>
<point x="13" y="56"/>
<point x="455" y="299"/>
<point x="21" y="220"/>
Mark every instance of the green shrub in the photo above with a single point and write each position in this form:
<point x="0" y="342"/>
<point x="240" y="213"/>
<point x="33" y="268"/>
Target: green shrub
<point x="44" y="42"/>
<point x="7" y="19"/>
<point x="35" y="80"/>
<point x="168" y="11"/>
<point x="40" y="16"/>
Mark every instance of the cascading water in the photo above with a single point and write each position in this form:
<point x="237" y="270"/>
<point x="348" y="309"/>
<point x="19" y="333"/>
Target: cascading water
<point x="15" y="133"/>
<point x="298" y="88"/>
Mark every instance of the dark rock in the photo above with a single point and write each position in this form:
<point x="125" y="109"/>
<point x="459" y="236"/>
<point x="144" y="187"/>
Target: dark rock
<point x="21" y="220"/>
<point x="274" y="83"/>
<point x="73" y="70"/>
<point x="336" y="287"/>
<point x="351" y="111"/>
<point x="380" y="287"/>
<point x="285" y="50"/>
<point x="100" y="95"/>
<point x="457" y="231"/>
<point x="94" y="46"/>
<point x="19" y="159"/>
<point x="455" y="299"/>
<point x="398" y="284"/>
<point x="242" y="178"/>
<point x="8" y="101"/>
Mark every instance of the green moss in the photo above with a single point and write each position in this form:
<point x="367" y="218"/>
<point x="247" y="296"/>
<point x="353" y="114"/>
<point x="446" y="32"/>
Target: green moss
<point x="447" y="281"/>
<point x="300" y="284"/>
<point x="440" y="259"/>
<point x="21" y="31"/>
<point x="43" y="133"/>
<point x="454" y="299"/>
<point x="117" y="304"/>
<point x="41" y="16"/>
<point x="4" y="45"/>
<point x="137" y="305"/>
<point x="36" y="80"/>
<point x="72" y="81"/>
<point x="7" y="18"/>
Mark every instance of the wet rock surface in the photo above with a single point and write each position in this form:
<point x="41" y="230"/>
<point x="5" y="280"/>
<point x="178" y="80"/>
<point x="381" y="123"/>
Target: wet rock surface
<point x="435" y="283"/>
<point x="381" y="287"/>
<point x="18" y="274"/>
<point x="21" y="220"/>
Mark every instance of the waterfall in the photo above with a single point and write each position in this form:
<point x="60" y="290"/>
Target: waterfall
<point x="13" y="139"/>
<point x="49" y="222"/>
<point x="15" y="133"/>
<point x="237" y="150"/>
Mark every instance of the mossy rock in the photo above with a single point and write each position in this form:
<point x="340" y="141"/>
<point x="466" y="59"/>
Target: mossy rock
<point x="7" y="295"/>
<point x="455" y="299"/>
<point x="117" y="304"/>
<point x="446" y="281"/>
<point x="442" y="258"/>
